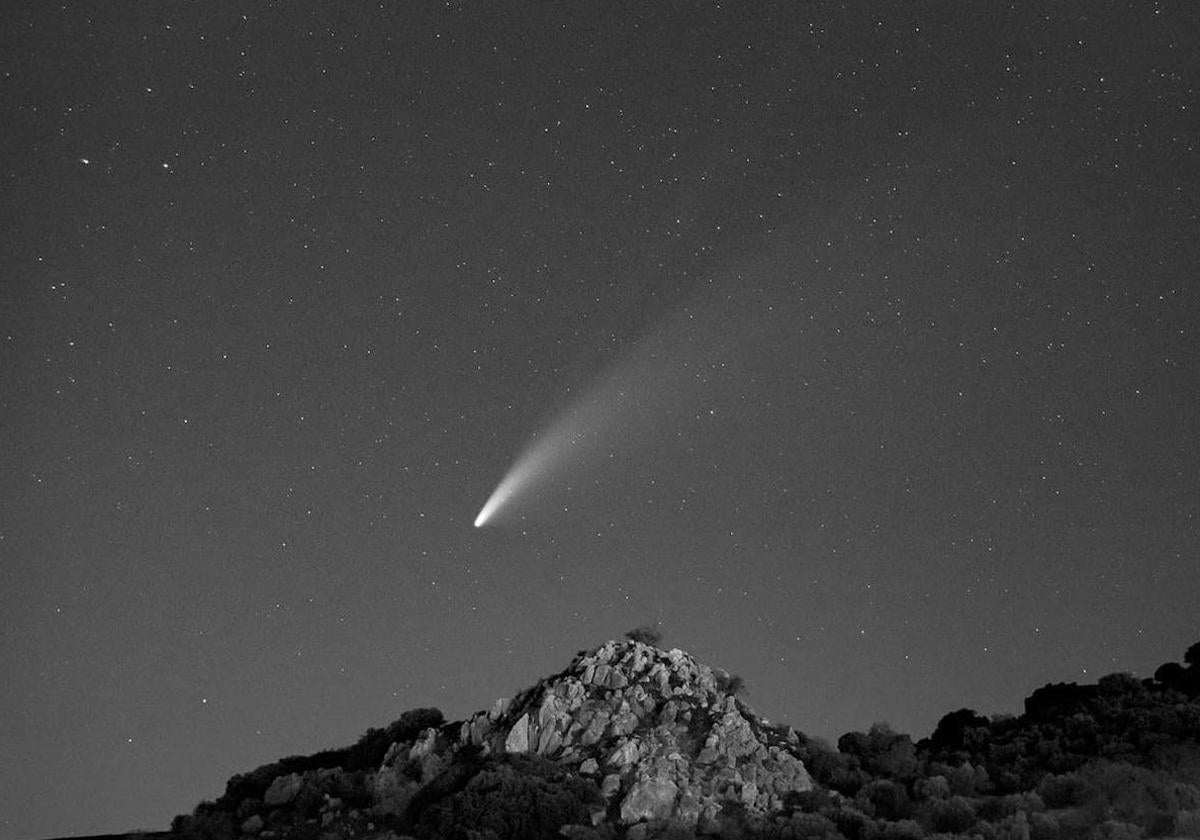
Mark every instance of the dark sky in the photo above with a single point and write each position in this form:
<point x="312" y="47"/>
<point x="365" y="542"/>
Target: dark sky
<point x="883" y="317"/>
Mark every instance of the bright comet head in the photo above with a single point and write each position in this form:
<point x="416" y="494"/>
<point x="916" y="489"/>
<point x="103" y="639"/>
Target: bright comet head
<point x="518" y="476"/>
<point x="483" y="515"/>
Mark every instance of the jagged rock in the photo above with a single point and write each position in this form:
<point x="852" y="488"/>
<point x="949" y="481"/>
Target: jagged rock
<point x="616" y="679"/>
<point x="687" y="808"/>
<point x="633" y="708"/>
<point x="649" y="799"/>
<point x="624" y="755"/>
<point x="595" y="728"/>
<point x="391" y="789"/>
<point x="283" y="790"/>
<point x="625" y="723"/>
<point x="638" y="832"/>
<point x="428" y="753"/>
<point x="549" y="741"/>
<point x="518" y="737"/>
<point x="424" y="745"/>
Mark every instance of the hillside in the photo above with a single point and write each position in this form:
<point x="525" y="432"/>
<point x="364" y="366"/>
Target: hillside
<point x="632" y="741"/>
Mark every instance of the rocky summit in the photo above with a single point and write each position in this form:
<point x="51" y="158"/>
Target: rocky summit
<point x="663" y="735"/>
<point x="628" y="741"/>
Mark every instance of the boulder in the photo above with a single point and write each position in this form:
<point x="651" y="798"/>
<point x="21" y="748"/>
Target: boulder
<point x="283" y="790"/>
<point x="518" y="737"/>
<point x="624" y="755"/>
<point x="549" y="742"/>
<point x="595" y="728"/>
<point x="424" y="745"/>
<point x="649" y="799"/>
<point x="616" y="679"/>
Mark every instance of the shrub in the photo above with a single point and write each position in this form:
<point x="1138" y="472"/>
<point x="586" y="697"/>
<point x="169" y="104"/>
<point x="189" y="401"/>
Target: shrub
<point x="206" y="822"/>
<point x="932" y="787"/>
<point x="948" y="735"/>
<point x="888" y="799"/>
<point x="903" y="830"/>
<point x="515" y="797"/>
<point x="953" y="815"/>
<point x="806" y="826"/>
<point x="647" y="634"/>
<point x="881" y="751"/>
<point x="1170" y="674"/>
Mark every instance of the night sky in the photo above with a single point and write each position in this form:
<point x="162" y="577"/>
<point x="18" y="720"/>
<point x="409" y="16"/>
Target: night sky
<point x="862" y="337"/>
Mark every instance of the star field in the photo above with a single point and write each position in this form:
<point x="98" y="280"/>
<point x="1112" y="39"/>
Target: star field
<point x="898" y="304"/>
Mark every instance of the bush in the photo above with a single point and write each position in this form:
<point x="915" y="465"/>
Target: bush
<point x="949" y="733"/>
<point x="206" y="822"/>
<point x="807" y="826"/>
<point x="1171" y="674"/>
<point x="881" y="751"/>
<point x="647" y="634"/>
<point x="953" y="815"/>
<point x="853" y="823"/>
<point x="888" y="799"/>
<point x="514" y="798"/>
<point x="903" y="830"/>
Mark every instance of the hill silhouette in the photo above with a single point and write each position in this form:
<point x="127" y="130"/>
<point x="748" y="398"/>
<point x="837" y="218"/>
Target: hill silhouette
<point x="633" y="741"/>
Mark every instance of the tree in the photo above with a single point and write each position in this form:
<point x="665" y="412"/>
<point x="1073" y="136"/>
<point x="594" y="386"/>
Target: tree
<point x="1192" y="656"/>
<point x="647" y="634"/>
<point x="950" y="729"/>
<point x="1170" y="674"/>
<point x="881" y="751"/>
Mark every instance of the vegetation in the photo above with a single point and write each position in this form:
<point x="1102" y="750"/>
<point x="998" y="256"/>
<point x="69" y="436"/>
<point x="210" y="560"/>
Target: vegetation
<point x="647" y="634"/>
<point x="513" y="797"/>
<point x="1118" y="759"/>
<point x="366" y="754"/>
<point x="730" y="683"/>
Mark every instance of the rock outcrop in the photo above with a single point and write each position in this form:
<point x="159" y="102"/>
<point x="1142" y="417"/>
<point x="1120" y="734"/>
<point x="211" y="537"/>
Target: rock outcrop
<point x="629" y="740"/>
<point x="668" y="738"/>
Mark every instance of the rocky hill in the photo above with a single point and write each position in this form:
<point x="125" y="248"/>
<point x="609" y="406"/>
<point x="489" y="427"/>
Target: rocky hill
<point x="638" y="737"/>
<point x="632" y="741"/>
<point x="665" y="735"/>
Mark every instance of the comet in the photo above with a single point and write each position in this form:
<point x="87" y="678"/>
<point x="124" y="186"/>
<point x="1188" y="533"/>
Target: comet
<point x="568" y="439"/>
<point x="622" y="409"/>
<point x="517" y="478"/>
<point x="664" y="381"/>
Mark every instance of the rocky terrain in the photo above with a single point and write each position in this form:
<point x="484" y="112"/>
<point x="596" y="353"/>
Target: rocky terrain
<point x="633" y="741"/>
